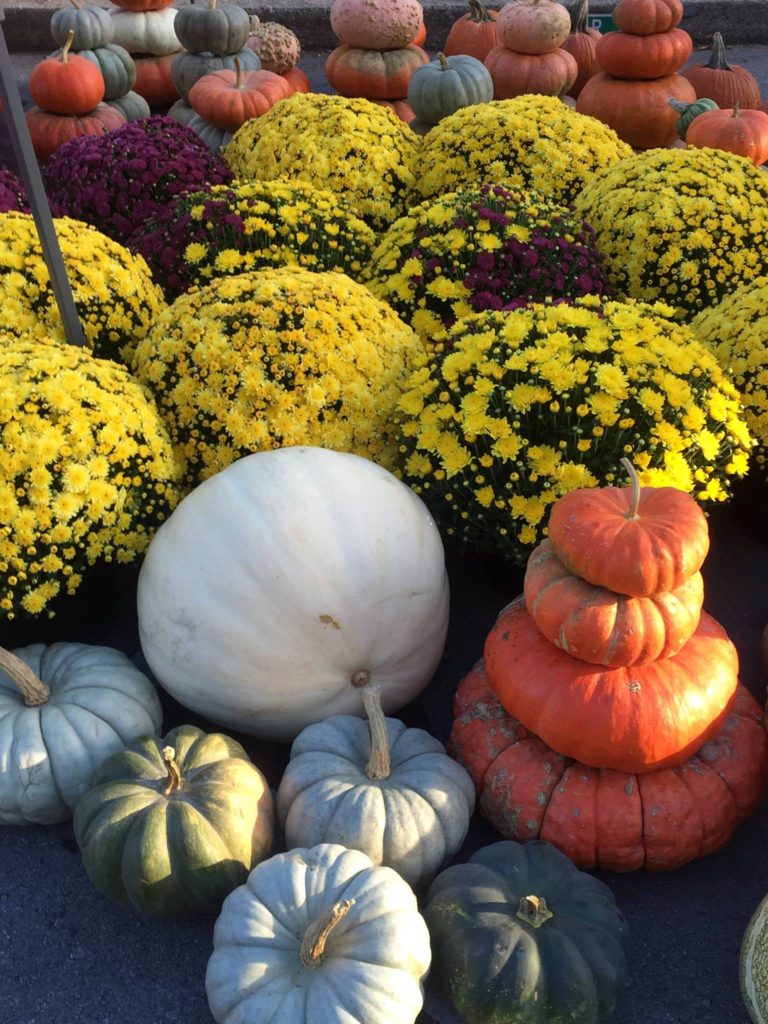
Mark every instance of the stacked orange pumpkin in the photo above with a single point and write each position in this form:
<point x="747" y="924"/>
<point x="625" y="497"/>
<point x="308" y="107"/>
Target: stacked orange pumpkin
<point x="529" y="57"/>
<point x="607" y="716"/>
<point x="639" y="73"/>
<point x="380" y="49"/>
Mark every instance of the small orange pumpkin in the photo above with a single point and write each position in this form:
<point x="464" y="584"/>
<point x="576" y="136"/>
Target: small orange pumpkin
<point x="475" y="33"/>
<point x="297" y="79"/>
<point x="66" y="83"/>
<point x="533" y="26"/>
<point x="744" y="132"/>
<point x="726" y="84"/>
<point x="49" y="131"/>
<point x="227" y="99"/>
<point x="645" y="17"/>
<point x="582" y="45"/>
<point x="373" y="74"/>
<point x="515" y="74"/>
<point x="643" y="57"/>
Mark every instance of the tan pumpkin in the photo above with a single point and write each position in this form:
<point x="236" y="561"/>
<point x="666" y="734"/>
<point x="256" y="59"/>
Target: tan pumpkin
<point x="515" y="74"/>
<point x="278" y="47"/>
<point x="373" y="74"/>
<point x="726" y="84"/>
<point x="533" y="26"/>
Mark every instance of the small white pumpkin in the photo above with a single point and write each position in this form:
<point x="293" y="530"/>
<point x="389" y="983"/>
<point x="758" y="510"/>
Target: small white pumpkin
<point x="389" y="791"/>
<point x="282" y="586"/>
<point x="145" y="31"/>
<point x="63" y="710"/>
<point x="319" y="936"/>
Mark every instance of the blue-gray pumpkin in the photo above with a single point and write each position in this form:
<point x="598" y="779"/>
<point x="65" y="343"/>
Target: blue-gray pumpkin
<point x="445" y="85"/>
<point x="220" y="30"/>
<point x="117" y="68"/>
<point x="92" y="26"/>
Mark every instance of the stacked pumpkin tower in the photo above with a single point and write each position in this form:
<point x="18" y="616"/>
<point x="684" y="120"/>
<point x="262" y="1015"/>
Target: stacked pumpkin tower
<point x="607" y="715"/>
<point x="529" y="57"/>
<point x="146" y="29"/>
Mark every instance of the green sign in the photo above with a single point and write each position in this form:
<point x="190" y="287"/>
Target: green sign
<point x="602" y="22"/>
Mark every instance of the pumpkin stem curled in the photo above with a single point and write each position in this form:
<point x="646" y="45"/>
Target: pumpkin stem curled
<point x="379" y="764"/>
<point x="534" y="910"/>
<point x="32" y="689"/>
<point x="173" y="782"/>
<point x="67" y="46"/>
<point x="634" y="482"/>
<point x="313" y="944"/>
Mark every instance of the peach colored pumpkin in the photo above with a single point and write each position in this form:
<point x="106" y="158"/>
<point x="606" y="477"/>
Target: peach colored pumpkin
<point x="278" y="47"/>
<point x="376" y="24"/>
<point x="515" y="74"/>
<point x="533" y="26"/>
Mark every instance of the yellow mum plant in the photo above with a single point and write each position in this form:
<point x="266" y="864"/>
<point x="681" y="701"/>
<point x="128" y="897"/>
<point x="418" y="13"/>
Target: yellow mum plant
<point x="87" y="470"/>
<point x="116" y="298"/>
<point x="523" y="406"/>
<point x="352" y="147"/>
<point x="527" y="142"/>
<point x="684" y="226"/>
<point x="279" y="358"/>
<point x="736" y="330"/>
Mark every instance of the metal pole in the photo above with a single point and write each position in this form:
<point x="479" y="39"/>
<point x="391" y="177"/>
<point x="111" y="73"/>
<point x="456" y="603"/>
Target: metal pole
<point x="38" y="201"/>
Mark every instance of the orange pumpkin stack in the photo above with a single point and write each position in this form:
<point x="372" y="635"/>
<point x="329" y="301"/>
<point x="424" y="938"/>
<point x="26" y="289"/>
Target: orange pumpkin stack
<point x="639" y="73"/>
<point x="610" y="665"/>
<point x="529" y="57"/>
<point x="380" y="49"/>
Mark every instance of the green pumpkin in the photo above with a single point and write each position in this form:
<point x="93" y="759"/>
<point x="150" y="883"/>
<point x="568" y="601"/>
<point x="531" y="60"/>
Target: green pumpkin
<point x="117" y="68"/>
<point x="187" y="68"/>
<point x="521" y="936"/>
<point x="217" y="30"/>
<point x="445" y="85"/>
<point x="688" y="112"/>
<point x="92" y="26"/>
<point x="172" y="826"/>
<point x="131" y="105"/>
<point x="753" y="965"/>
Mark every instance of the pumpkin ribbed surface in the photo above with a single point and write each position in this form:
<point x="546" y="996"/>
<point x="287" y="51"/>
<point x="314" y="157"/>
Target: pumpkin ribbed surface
<point x="631" y="719"/>
<point x="616" y="821"/>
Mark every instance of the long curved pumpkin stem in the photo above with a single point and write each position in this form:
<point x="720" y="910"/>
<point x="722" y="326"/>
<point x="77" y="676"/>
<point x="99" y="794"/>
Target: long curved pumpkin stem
<point x="315" y="937"/>
<point x="634" y="482"/>
<point x="32" y="689"/>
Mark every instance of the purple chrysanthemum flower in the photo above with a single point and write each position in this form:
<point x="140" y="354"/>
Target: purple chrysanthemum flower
<point x="13" y="195"/>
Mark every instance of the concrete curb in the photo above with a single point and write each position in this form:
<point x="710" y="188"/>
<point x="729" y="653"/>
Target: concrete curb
<point x="27" y="28"/>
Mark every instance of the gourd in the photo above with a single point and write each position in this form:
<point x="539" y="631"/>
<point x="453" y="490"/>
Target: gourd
<point x="520" y="935"/>
<point x="227" y="99"/>
<point x="533" y="26"/>
<point x="188" y="68"/>
<point x="646" y="17"/>
<point x="172" y="825"/>
<point x="329" y="576"/>
<point x="744" y="132"/>
<point x="688" y="111"/>
<point x="215" y="29"/>
<point x="473" y="34"/>
<point x="581" y="43"/>
<point x="117" y="69"/>
<point x="132" y="105"/>
<point x="278" y="47"/>
<point x="92" y="26"/>
<point x="376" y="24"/>
<point x="373" y="74"/>
<point x="601" y="626"/>
<point x="148" y="32"/>
<point x="615" y="821"/>
<point x="49" y="131"/>
<point x="727" y="84"/>
<point x="66" y="83"/>
<point x="517" y="74"/>
<point x="635" y="719"/>
<point x="64" y="708"/>
<point x="389" y="791"/>
<point x="643" y="57"/>
<point x="319" y="936"/>
<point x="447" y="84"/>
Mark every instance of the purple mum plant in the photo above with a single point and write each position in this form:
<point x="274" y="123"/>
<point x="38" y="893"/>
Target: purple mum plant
<point x="116" y="180"/>
<point x="13" y="195"/>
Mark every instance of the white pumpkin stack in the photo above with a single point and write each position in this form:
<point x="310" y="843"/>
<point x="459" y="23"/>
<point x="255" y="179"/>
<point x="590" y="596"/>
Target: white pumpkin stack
<point x="95" y="39"/>
<point x="145" y="28"/>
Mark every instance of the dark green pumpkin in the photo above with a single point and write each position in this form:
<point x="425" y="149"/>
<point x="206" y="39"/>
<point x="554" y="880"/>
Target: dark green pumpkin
<point x="172" y="826"/>
<point x="92" y="26"/>
<point x="445" y="85"/>
<point x="117" y="68"/>
<point x="688" y="112"/>
<point x="521" y="936"/>
<point x="187" y="68"/>
<point x="217" y="30"/>
<point x="132" y="105"/>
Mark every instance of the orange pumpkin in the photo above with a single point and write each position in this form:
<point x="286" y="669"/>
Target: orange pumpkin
<point x="66" y="83"/>
<point x="643" y="57"/>
<point x="400" y="108"/>
<point x="515" y="74"/>
<point x="297" y="79"/>
<point x="582" y="45"/>
<point x="645" y="17"/>
<point x="227" y="99"/>
<point x="533" y="26"/>
<point x="474" y="34"/>
<point x="154" y="80"/>
<point x="421" y="36"/>
<point x="726" y="84"/>
<point x="49" y="131"/>
<point x="602" y="627"/>
<point x="638" y="111"/>
<point x="633" y="540"/>
<point x="744" y="132"/>
<point x="601" y="818"/>
<point x="373" y="74"/>
<point x="635" y="719"/>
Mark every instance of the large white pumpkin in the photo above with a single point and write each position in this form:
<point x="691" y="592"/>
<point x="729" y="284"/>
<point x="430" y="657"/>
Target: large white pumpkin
<point x="286" y="582"/>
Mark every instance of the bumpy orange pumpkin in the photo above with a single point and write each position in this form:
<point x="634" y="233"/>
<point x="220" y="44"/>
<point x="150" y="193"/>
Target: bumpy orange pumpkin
<point x="473" y="34"/>
<point x="515" y="74"/>
<point x="634" y="540"/>
<point x="644" y="57"/>
<point x="726" y="84"/>
<point x="601" y="818"/>
<point x="602" y="627"/>
<point x="644" y="17"/>
<point x="533" y="26"/>
<point x="635" y="719"/>
<point x="373" y="74"/>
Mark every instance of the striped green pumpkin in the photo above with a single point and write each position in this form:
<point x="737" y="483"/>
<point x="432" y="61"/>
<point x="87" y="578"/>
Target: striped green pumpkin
<point x="753" y="965"/>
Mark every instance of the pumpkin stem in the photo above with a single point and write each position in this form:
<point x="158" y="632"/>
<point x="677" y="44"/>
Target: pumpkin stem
<point x="66" y="47"/>
<point x="76" y="4"/>
<point x="534" y="910"/>
<point x="718" y="60"/>
<point x="173" y="782"/>
<point x="579" y="16"/>
<point x="477" y="11"/>
<point x="735" y="112"/>
<point x="213" y="4"/>
<point x="313" y="944"/>
<point x="30" y="686"/>
<point x="634" y="483"/>
<point x="379" y="764"/>
<point x="444" y="66"/>
<point x="679" y="105"/>
<point x="238" y="73"/>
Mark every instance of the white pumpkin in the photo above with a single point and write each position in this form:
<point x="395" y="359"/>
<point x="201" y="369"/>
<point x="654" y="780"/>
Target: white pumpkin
<point x="319" y="936"/>
<point x="63" y="710"/>
<point x="282" y="586"/>
<point x="149" y="32"/>
<point x="389" y="791"/>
